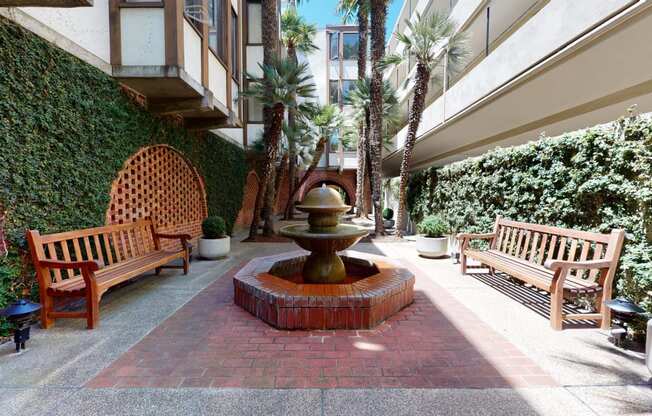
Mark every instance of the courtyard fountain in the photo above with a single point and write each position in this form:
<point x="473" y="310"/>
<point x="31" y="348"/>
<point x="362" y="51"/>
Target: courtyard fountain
<point x="322" y="289"/>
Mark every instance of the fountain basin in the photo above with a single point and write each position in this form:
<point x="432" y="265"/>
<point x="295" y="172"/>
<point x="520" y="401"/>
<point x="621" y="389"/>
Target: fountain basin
<point x="272" y="289"/>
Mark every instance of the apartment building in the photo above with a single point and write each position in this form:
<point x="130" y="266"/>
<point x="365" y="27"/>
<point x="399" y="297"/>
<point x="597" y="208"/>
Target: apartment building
<point x="536" y="66"/>
<point x="183" y="57"/>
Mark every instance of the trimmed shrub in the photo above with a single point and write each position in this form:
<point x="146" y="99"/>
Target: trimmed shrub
<point x="388" y="213"/>
<point x="433" y="226"/>
<point x="595" y="180"/>
<point x="66" y="129"/>
<point x="213" y="228"/>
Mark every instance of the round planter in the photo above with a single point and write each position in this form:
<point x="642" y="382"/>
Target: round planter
<point x="432" y="247"/>
<point x="214" y="248"/>
<point x="388" y="223"/>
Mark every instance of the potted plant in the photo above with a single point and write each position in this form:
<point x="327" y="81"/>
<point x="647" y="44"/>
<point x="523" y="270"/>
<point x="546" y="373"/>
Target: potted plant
<point x="432" y="241"/>
<point x="215" y="243"/>
<point x="388" y="216"/>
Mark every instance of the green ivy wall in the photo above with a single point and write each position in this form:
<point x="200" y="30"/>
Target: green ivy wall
<point x="595" y="180"/>
<point x="66" y="129"/>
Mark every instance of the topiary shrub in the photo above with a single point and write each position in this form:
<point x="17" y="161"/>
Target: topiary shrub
<point x="213" y="228"/>
<point x="388" y="213"/>
<point x="433" y="226"/>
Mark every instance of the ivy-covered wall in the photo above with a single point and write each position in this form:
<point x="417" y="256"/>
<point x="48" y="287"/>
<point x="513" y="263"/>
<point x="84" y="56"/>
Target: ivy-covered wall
<point x="66" y="129"/>
<point x="596" y="180"/>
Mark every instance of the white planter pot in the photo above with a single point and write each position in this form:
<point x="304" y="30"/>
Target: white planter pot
<point x="215" y="248"/>
<point x="432" y="247"/>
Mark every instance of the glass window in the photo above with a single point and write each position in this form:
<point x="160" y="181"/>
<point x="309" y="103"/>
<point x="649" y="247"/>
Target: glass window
<point x="193" y="11"/>
<point x="334" y="50"/>
<point x="347" y="86"/>
<point x="333" y="92"/>
<point x="350" y="48"/>
<point x="216" y="28"/>
<point x="254" y="27"/>
<point x="234" y="45"/>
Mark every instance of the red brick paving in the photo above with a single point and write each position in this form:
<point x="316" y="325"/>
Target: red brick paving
<point x="434" y="343"/>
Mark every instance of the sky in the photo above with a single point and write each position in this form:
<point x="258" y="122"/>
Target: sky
<point x="322" y="13"/>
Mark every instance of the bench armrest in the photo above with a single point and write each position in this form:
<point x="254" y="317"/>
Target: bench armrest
<point x="469" y="236"/>
<point x="89" y="265"/>
<point x="577" y="265"/>
<point x="184" y="237"/>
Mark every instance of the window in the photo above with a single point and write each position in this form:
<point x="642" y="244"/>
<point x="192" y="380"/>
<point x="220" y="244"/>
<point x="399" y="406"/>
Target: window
<point x="193" y="11"/>
<point x="254" y="28"/>
<point x="216" y="28"/>
<point x="234" y="46"/>
<point x="350" y="46"/>
<point x="333" y="92"/>
<point x="334" y="50"/>
<point x="347" y="86"/>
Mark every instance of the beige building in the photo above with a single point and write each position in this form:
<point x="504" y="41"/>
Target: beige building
<point x="536" y="66"/>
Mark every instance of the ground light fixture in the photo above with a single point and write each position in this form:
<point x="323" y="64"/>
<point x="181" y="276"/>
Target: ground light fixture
<point x="20" y="314"/>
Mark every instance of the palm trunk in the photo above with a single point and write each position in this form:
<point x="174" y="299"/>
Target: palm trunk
<point x="270" y="54"/>
<point x="268" y="208"/>
<point x="378" y="17"/>
<point x="289" y="212"/>
<point x="363" y="21"/>
<point x="319" y="152"/>
<point x="292" y="173"/>
<point x="274" y="134"/>
<point x="414" y="119"/>
<point x="280" y="177"/>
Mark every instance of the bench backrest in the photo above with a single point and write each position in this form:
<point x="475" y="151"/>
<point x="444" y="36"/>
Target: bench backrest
<point x="537" y="243"/>
<point x="108" y="245"/>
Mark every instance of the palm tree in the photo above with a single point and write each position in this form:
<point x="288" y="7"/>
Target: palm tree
<point x="437" y="49"/>
<point x="378" y="13"/>
<point x="327" y="121"/>
<point x="282" y="83"/>
<point x="297" y="35"/>
<point x="347" y="9"/>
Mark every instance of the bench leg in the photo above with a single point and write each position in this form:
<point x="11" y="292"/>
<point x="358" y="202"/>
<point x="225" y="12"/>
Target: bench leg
<point x="186" y="264"/>
<point x="92" y="310"/>
<point x="463" y="262"/>
<point x="157" y="271"/>
<point x="556" y="312"/>
<point x="47" y="307"/>
<point x="605" y="323"/>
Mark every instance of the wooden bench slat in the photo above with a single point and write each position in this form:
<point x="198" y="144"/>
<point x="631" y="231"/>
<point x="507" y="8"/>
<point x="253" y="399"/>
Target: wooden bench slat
<point x="597" y="255"/>
<point x="66" y="257"/>
<point x="107" y="248"/>
<point x="563" y="232"/>
<point x="542" y="250"/>
<point x="52" y="255"/>
<point x="98" y="248"/>
<point x="535" y="247"/>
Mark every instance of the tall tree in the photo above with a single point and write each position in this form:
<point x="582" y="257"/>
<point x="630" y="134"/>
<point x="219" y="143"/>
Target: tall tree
<point x="327" y="120"/>
<point x="359" y="8"/>
<point x="378" y="14"/>
<point x="282" y="84"/>
<point x="438" y="52"/>
<point x="297" y="36"/>
<point x="269" y="20"/>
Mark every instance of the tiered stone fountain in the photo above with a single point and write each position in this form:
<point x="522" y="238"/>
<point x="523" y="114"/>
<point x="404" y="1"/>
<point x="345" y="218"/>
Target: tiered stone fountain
<point x="321" y="289"/>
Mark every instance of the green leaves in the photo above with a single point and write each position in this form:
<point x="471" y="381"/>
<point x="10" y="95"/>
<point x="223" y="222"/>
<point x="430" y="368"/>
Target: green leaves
<point x="66" y="130"/>
<point x="596" y="180"/>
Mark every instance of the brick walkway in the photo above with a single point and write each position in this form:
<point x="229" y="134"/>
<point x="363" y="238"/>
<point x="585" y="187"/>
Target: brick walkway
<point x="434" y="343"/>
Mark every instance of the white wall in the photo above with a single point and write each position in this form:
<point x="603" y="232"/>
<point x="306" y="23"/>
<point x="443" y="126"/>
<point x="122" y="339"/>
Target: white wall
<point x="87" y="27"/>
<point x="317" y="66"/>
<point x="191" y="51"/>
<point x="216" y="78"/>
<point x="143" y="34"/>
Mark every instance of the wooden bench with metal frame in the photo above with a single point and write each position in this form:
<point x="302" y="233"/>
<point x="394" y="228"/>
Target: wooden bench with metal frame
<point x="86" y="263"/>
<point x="564" y="262"/>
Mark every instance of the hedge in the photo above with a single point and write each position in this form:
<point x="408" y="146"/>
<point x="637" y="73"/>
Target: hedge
<point x="66" y="129"/>
<point x="595" y="180"/>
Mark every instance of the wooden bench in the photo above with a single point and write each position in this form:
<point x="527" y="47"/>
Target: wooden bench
<point x="564" y="262"/>
<point x="86" y="263"/>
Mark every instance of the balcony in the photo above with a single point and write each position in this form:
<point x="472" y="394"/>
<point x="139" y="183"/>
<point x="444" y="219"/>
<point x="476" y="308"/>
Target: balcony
<point x="163" y="53"/>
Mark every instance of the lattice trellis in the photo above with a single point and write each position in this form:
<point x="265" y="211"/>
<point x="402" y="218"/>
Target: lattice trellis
<point x="158" y="182"/>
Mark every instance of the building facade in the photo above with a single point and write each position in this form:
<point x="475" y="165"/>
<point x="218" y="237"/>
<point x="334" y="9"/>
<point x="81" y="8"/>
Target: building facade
<point x="536" y="66"/>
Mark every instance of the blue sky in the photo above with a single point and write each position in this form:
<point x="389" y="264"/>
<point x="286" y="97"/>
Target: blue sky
<point x="322" y="12"/>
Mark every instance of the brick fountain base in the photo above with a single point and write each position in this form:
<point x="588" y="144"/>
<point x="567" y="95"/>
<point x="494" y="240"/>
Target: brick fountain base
<point x="271" y="288"/>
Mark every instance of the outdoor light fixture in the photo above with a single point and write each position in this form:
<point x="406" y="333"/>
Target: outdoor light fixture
<point x="20" y="314"/>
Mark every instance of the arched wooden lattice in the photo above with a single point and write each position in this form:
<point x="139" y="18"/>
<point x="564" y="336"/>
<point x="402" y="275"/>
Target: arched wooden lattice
<point x="158" y="182"/>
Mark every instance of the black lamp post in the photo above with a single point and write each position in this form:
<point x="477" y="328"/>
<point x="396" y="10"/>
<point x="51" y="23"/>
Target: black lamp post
<point x="624" y="313"/>
<point x="20" y="314"/>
